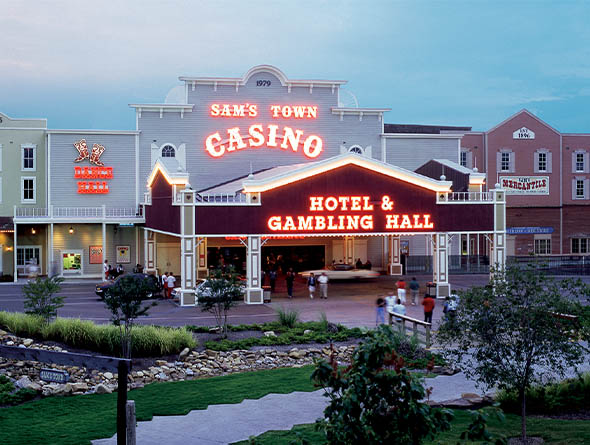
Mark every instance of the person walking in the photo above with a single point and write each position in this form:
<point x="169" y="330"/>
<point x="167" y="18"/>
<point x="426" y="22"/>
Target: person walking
<point x="272" y="276"/>
<point x="105" y="268"/>
<point x="399" y="308"/>
<point x="170" y="281"/>
<point x="380" y="318"/>
<point x="290" y="278"/>
<point x="323" y="280"/>
<point x="428" y="304"/>
<point x="401" y="290"/>
<point x="164" y="282"/>
<point x="311" y="284"/>
<point x="414" y="290"/>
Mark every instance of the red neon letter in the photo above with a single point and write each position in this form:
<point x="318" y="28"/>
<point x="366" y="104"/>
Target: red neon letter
<point x="310" y="149"/>
<point x="427" y="223"/>
<point x="211" y="148"/>
<point x="291" y="138"/>
<point x="272" y="135"/>
<point x="274" y="223"/>
<point x="331" y="203"/>
<point x="256" y="136"/>
<point x="316" y="203"/>
<point x="367" y="222"/>
<point x="417" y="223"/>
<point x="235" y="138"/>
<point x="215" y="110"/>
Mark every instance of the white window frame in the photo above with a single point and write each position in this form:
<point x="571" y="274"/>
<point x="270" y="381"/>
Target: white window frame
<point x="0" y="189"/>
<point x="23" y="147"/>
<point x="0" y="157"/>
<point x="578" y="196"/>
<point x="162" y="151"/>
<point x="71" y="272"/>
<point x="546" y="243"/>
<point x="463" y="158"/>
<point x="357" y="149"/>
<point x="542" y="162"/>
<point x="22" y="190"/>
<point x="507" y="153"/>
<point x="579" y="154"/>
<point x="579" y="240"/>
<point x="21" y="267"/>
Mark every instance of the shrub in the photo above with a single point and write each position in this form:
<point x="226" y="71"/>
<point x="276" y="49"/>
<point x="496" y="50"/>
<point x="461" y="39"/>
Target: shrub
<point x="104" y="339"/>
<point x="288" y="318"/>
<point x="40" y="298"/>
<point x="8" y="395"/>
<point x="570" y="395"/>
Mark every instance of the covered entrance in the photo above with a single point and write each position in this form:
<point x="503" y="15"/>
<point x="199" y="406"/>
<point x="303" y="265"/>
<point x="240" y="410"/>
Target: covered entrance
<point x="349" y="197"/>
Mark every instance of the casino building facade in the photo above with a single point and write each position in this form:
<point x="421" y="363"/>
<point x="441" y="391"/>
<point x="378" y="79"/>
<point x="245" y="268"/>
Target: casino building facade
<point x="262" y="168"/>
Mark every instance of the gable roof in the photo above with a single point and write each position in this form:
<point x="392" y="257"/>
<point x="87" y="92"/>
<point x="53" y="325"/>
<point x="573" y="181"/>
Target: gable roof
<point x="304" y="171"/>
<point x="528" y="113"/>
<point x="171" y="170"/>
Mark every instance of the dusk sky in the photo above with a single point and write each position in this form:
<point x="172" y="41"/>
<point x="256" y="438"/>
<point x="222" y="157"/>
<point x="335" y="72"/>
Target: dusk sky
<point x="474" y="63"/>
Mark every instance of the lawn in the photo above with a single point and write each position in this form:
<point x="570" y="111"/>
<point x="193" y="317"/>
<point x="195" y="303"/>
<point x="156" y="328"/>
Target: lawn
<point x="561" y="432"/>
<point x="79" y="419"/>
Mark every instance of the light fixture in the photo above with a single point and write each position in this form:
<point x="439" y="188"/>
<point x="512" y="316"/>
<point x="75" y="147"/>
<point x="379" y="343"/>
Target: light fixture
<point x="71" y="230"/>
<point x="33" y="231"/>
<point x="9" y="249"/>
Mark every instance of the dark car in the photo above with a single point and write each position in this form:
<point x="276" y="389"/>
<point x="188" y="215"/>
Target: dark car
<point x="151" y="280"/>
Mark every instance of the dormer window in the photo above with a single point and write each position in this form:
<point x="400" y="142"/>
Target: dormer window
<point x="168" y="151"/>
<point x="356" y="149"/>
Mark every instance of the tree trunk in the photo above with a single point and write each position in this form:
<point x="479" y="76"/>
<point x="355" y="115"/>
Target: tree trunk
<point x="523" y="416"/>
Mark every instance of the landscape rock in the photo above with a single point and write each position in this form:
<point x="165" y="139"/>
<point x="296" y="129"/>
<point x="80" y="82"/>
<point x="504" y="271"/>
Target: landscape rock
<point x="23" y="382"/>
<point x="183" y="353"/>
<point x="270" y="334"/>
<point x="27" y="342"/>
<point x="102" y="389"/>
<point x="307" y="331"/>
<point x="108" y="375"/>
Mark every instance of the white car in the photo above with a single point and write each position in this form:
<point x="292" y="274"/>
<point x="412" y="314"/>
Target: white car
<point x="342" y="272"/>
<point x="201" y="284"/>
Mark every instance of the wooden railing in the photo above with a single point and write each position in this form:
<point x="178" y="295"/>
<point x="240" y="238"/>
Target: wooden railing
<point x="421" y="334"/>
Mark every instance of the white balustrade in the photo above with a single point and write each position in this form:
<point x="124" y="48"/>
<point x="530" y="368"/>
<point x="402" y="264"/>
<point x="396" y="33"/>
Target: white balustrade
<point x="78" y="212"/>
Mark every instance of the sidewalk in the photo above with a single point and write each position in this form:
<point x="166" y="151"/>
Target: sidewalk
<point x="222" y="424"/>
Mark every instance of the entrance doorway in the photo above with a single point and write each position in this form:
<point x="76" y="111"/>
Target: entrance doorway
<point x="168" y="258"/>
<point x="298" y="257"/>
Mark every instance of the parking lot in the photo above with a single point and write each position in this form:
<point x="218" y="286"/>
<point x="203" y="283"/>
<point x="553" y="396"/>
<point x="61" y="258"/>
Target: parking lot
<point x="350" y="303"/>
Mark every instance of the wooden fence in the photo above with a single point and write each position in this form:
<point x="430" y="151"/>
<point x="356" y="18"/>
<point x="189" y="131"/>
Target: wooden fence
<point x="420" y="329"/>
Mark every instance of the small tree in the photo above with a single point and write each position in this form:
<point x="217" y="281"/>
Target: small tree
<point x="125" y="299"/>
<point x="40" y="298"/>
<point x="376" y="400"/>
<point x="512" y="331"/>
<point x="218" y="294"/>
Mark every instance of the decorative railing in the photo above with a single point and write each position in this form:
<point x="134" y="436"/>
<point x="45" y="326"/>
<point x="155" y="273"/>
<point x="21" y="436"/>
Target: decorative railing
<point x="221" y="198"/>
<point x="420" y="329"/>
<point x="54" y="212"/>
<point x="467" y="197"/>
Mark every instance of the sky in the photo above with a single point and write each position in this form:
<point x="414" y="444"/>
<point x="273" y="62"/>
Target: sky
<point x="469" y="63"/>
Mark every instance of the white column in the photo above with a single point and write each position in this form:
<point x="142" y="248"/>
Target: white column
<point x="50" y="269"/>
<point x="149" y="252"/>
<point x="104" y="248"/>
<point x="395" y="264"/>
<point x="14" y="253"/>
<point x="253" y="267"/>
<point x="498" y="244"/>
<point x="440" y="262"/>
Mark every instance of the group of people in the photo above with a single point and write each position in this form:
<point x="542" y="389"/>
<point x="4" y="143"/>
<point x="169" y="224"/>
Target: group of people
<point x="168" y="284"/>
<point x="111" y="273"/>
<point x="397" y="304"/>
<point x="359" y="264"/>
<point x="313" y="283"/>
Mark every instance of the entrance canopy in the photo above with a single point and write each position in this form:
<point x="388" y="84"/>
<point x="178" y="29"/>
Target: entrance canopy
<point x="348" y="195"/>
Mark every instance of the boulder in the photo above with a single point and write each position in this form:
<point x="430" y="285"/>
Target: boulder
<point x="23" y="382"/>
<point x="102" y="389"/>
<point x="79" y="386"/>
<point x="307" y="331"/>
<point x="296" y="354"/>
<point x="183" y="353"/>
<point x="27" y="342"/>
<point x="270" y="334"/>
<point x="108" y="375"/>
<point x="163" y="377"/>
<point x="3" y="333"/>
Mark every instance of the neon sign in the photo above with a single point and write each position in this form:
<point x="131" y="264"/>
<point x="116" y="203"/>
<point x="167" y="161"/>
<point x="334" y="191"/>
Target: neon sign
<point x="358" y="218"/>
<point x="270" y="136"/>
<point x="99" y="172"/>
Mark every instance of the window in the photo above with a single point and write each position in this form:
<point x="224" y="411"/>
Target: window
<point x="542" y="161"/>
<point x="28" y="157"/>
<point x="28" y="192"/>
<point x="543" y="246"/>
<point x="463" y="158"/>
<point x="0" y="190"/>
<point x="168" y="151"/>
<point x="356" y="149"/>
<point x="579" y="162"/>
<point x="580" y="188"/>
<point x="26" y="255"/>
<point x="505" y="162"/>
<point x="580" y="245"/>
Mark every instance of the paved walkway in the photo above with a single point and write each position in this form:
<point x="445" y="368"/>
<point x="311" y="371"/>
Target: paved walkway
<point x="222" y="424"/>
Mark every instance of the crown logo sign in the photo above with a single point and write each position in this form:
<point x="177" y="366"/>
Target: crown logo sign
<point x="93" y="156"/>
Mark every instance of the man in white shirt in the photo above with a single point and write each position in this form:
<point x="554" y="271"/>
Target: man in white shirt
<point x="399" y="308"/>
<point x="170" y="280"/>
<point x="164" y="282"/>
<point x="323" y="280"/>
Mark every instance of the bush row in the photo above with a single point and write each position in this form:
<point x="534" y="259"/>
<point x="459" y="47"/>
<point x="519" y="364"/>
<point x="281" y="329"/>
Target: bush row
<point x="571" y="395"/>
<point x="148" y="341"/>
<point x="10" y="396"/>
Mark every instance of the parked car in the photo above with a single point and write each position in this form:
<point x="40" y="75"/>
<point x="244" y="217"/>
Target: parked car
<point x="202" y="287"/>
<point x="343" y="272"/>
<point x="152" y="281"/>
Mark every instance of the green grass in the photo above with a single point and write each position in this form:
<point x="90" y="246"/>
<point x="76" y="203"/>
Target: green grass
<point x="79" y="419"/>
<point x="559" y="432"/>
<point x="148" y="341"/>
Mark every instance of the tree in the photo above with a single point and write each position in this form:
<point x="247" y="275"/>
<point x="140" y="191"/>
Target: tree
<point x="218" y="294"/>
<point x="40" y="298"/>
<point x="125" y="299"/>
<point x="376" y="400"/>
<point x="512" y="331"/>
